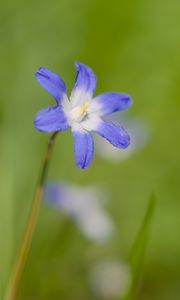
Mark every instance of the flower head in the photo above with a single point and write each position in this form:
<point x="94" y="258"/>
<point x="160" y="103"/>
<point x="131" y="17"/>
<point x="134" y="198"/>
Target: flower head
<point x="85" y="206"/>
<point x="81" y="112"/>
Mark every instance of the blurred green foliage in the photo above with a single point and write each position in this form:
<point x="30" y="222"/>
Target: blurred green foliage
<point x="132" y="46"/>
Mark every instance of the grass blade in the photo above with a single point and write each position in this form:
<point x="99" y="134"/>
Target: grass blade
<point x="139" y="247"/>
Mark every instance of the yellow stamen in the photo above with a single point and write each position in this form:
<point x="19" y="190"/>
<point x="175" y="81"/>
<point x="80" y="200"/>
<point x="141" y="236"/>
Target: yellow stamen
<point x="79" y="112"/>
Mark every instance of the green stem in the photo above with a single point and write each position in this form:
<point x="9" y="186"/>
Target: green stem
<point x="30" y="227"/>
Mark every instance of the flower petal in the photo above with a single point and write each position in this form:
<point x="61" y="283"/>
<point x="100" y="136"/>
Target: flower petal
<point x="52" y="83"/>
<point x="115" y="134"/>
<point x="51" y="119"/>
<point x="83" y="148"/>
<point x="84" y="87"/>
<point x="108" y="103"/>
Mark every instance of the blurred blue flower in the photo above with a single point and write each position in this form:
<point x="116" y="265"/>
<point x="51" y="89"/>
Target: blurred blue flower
<point x="82" y="113"/>
<point x="85" y="206"/>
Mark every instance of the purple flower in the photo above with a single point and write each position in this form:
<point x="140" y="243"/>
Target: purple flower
<point x="82" y="113"/>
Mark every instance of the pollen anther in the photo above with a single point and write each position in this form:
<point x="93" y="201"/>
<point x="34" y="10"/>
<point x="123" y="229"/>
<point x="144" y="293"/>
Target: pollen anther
<point x="79" y="112"/>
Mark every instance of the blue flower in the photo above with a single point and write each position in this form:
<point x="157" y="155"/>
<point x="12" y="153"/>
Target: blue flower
<point x="82" y="113"/>
<point x="85" y="206"/>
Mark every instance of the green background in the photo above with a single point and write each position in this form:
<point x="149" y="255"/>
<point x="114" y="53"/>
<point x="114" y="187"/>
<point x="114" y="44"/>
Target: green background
<point x="132" y="46"/>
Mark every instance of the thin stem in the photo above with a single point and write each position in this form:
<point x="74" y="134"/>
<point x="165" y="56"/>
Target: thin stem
<point x="30" y="227"/>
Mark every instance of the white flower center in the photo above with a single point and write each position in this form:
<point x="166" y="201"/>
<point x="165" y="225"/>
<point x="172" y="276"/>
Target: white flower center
<point x="79" y="112"/>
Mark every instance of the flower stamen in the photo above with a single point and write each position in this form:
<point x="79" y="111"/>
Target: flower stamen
<point x="79" y="112"/>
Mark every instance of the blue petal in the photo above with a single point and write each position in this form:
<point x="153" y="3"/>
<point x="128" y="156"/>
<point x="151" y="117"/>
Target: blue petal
<point x="51" y="119"/>
<point x="115" y="134"/>
<point x="108" y="103"/>
<point x="52" y="83"/>
<point x="85" y="84"/>
<point x="83" y="148"/>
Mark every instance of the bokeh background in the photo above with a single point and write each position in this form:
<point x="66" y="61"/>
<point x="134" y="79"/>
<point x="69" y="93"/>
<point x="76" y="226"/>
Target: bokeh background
<point x="133" y="47"/>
